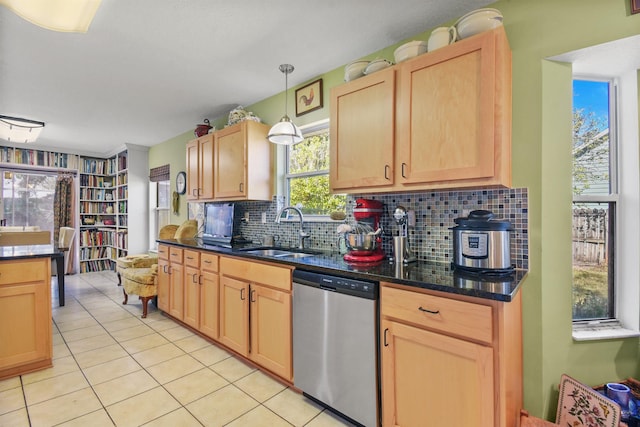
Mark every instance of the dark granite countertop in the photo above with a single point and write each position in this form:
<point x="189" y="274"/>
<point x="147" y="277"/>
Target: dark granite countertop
<point x="421" y="274"/>
<point x="27" y="251"/>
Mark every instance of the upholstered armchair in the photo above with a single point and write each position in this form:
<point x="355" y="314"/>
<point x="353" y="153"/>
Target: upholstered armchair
<point x="138" y="274"/>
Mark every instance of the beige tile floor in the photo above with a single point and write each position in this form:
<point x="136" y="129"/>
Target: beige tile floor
<point x="111" y="368"/>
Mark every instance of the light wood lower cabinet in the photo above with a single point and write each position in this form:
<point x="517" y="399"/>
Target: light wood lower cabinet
<point x="176" y="283"/>
<point x="163" y="278"/>
<point x="255" y="313"/>
<point x="245" y="305"/>
<point x="449" y="362"/>
<point x="25" y="316"/>
<point x="191" y="289"/>
<point x="234" y="314"/>
<point x="209" y="295"/>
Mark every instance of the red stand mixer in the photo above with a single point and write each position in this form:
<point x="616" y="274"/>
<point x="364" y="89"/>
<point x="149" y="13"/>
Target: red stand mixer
<point x="365" y="248"/>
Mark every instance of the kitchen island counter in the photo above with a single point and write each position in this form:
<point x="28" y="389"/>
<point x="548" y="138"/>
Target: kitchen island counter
<point x="421" y="274"/>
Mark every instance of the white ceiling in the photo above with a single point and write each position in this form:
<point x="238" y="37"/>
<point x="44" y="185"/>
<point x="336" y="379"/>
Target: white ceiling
<point x="149" y="70"/>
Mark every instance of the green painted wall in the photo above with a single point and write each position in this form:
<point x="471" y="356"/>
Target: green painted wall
<point x="542" y="163"/>
<point x="173" y="152"/>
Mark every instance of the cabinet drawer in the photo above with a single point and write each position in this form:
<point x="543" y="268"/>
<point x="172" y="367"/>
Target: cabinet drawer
<point x="459" y="318"/>
<point x="163" y="252"/>
<point x="256" y="272"/>
<point x="192" y="258"/>
<point x="175" y="255"/>
<point x="209" y="262"/>
<point x="26" y="271"/>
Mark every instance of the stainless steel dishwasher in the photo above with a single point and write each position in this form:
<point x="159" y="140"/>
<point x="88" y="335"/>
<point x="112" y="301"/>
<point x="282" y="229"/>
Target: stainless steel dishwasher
<point x="335" y="350"/>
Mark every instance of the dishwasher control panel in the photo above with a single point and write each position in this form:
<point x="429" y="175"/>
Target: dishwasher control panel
<point x="355" y="287"/>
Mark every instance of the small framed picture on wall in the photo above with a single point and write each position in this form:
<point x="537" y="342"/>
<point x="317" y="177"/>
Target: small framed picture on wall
<point x="309" y="97"/>
<point x="635" y="6"/>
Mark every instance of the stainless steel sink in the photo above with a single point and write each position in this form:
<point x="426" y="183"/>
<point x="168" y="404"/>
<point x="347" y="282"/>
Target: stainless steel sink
<point x="278" y="253"/>
<point x="296" y="255"/>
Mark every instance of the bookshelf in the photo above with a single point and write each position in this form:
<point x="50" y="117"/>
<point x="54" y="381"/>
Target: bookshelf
<point x="98" y="216"/>
<point x="29" y="157"/>
<point x="107" y="195"/>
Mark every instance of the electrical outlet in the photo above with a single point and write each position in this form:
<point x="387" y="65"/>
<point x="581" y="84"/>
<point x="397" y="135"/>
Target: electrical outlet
<point x="246" y="217"/>
<point x="264" y="217"/>
<point x="411" y="218"/>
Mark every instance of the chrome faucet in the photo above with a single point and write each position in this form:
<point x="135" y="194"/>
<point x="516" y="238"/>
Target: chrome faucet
<point x="301" y="233"/>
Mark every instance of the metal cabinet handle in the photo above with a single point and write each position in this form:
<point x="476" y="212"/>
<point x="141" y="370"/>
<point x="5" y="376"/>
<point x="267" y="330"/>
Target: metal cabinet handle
<point x="424" y="310"/>
<point x="387" y="168"/>
<point x="253" y="293"/>
<point x="169" y="272"/>
<point x="200" y="279"/>
<point x="194" y="278"/>
<point x="242" y="187"/>
<point x="207" y="261"/>
<point x="164" y="269"/>
<point x="403" y="165"/>
<point x="194" y="192"/>
<point x="242" y="294"/>
<point x="386" y="344"/>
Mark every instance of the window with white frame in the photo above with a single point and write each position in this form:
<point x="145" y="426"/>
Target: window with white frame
<point x="606" y="244"/>
<point x="595" y="199"/>
<point x="159" y="202"/>
<point x="307" y="174"/>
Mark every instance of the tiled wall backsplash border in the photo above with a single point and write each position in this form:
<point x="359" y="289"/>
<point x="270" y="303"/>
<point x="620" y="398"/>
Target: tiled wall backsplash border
<point x="430" y="239"/>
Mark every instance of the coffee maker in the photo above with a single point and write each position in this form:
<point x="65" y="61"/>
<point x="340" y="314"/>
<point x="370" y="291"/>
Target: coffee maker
<point x="367" y="214"/>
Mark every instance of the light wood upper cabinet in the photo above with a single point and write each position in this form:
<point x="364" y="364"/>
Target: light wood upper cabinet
<point x="25" y="316"/>
<point x="454" y="114"/>
<point x="243" y="162"/>
<point x="234" y="163"/>
<point x="451" y="127"/>
<point x="362" y="132"/>
<point x="200" y="168"/>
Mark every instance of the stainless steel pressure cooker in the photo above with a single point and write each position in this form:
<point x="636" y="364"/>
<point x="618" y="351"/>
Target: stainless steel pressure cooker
<point x="482" y="244"/>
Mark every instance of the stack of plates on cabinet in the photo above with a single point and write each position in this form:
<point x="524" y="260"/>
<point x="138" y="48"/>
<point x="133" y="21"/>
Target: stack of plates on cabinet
<point x="376" y="65"/>
<point x="354" y="70"/>
<point x="478" y="21"/>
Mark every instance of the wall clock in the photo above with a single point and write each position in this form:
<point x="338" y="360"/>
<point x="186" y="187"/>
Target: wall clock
<point x="181" y="183"/>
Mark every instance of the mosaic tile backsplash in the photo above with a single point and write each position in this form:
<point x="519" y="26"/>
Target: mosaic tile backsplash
<point x="430" y="239"/>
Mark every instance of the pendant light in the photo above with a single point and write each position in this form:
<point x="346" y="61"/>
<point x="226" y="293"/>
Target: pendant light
<point x="56" y="15"/>
<point x="285" y="132"/>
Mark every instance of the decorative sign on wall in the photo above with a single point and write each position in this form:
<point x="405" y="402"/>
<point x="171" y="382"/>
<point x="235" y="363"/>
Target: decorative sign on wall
<point x="309" y="97"/>
<point x="635" y="6"/>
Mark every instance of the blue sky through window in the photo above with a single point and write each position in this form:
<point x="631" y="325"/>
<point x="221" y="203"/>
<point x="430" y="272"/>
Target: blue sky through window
<point x="592" y="96"/>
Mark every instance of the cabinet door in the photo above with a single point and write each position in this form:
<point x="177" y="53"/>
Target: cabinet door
<point x="429" y="379"/>
<point x="234" y="314"/>
<point x="206" y="177"/>
<point x="176" y="291"/>
<point x="163" y="284"/>
<point x="447" y="114"/>
<point x="209" y="298"/>
<point x="193" y="170"/>
<point x="231" y="162"/>
<point x="271" y="330"/>
<point x="25" y="304"/>
<point x="362" y="132"/>
<point x="191" y="303"/>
